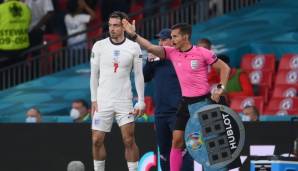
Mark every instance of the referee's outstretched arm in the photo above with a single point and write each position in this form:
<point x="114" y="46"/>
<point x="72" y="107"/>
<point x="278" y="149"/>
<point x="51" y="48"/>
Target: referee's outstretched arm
<point x="154" y="49"/>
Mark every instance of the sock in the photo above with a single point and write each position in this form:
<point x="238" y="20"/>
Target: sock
<point x="99" y="165"/>
<point x="175" y="159"/>
<point x="132" y="166"/>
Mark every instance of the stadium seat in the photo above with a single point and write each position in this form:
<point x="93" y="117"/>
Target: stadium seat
<point x="287" y="77"/>
<point x="285" y="91"/>
<point x="282" y="106"/>
<point x="55" y="44"/>
<point x="288" y="62"/>
<point x="280" y="112"/>
<point x="49" y="38"/>
<point x="260" y="77"/>
<point x="264" y="92"/>
<point x="258" y="62"/>
<point x="238" y="103"/>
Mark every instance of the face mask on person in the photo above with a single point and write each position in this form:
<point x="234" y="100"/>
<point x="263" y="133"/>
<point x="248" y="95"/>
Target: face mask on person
<point x="244" y="117"/>
<point x="31" y="119"/>
<point x="74" y="113"/>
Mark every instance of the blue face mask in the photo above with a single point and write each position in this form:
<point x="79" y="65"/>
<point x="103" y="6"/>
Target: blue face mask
<point x="30" y="119"/>
<point x="244" y="117"/>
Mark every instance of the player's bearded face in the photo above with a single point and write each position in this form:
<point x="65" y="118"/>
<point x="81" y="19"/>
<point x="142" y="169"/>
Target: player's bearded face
<point x="115" y="28"/>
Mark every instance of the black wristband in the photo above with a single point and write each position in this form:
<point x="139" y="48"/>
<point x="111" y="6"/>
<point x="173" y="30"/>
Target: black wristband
<point x="134" y="37"/>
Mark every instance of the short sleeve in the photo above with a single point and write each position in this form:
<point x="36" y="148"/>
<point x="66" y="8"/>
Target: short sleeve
<point x="168" y="52"/>
<point x="48" y="6"/>
<point x="209" y="56"/>
<point x="138" y="52"/>
<point x="84" y="18"/>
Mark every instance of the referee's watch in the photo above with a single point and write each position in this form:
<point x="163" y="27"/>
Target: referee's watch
<point x="220" y="86"/>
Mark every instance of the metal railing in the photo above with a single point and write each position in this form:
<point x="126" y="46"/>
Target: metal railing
<point x="49" y="61"/>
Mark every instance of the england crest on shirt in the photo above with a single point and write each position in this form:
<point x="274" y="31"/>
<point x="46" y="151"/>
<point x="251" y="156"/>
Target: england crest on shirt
<point x="194" y="64"/>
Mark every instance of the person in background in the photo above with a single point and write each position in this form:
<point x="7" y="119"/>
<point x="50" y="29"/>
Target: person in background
<point x="79" y="112"/>
<point x="42" y="10"/>
<point x="76" y="21"/>
<point x="15" y="20"/>
<point x="205" y="43"/>
<point x="33" y="116"/>
<point x="250" y="113"/>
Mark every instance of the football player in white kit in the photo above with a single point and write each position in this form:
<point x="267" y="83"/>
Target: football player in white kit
<point x="112" y="61"/>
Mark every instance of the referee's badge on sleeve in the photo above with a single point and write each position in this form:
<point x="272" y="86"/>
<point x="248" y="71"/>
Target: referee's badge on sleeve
<point x="141" y="56"/>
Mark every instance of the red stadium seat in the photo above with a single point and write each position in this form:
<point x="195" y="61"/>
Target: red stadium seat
<point x="282" y="106"/>
<point x="288" y="62"/>
<point x="287" y="77"/>
<point x="260" y="77"/>
<point x="55" y="44"/>
<point x="264" y="92"/>
<point x="49" y="38"/>
<point x="258" y="62"/>
<point x="281" y="112"/>
<point x="238" y="103"/>
<point x="285" y="91"/>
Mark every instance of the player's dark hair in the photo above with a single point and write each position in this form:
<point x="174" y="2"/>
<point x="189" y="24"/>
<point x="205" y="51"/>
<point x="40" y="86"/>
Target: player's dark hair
<point x="119" y="14"/>
<point x="184" y="28"/>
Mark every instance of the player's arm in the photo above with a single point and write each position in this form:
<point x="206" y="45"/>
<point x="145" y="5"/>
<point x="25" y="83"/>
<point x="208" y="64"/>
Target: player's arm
<point x="94" y="77"/>
<point x="139" y="82"/>
<point x="224" y="71"/>
<point x="151" y="48"/>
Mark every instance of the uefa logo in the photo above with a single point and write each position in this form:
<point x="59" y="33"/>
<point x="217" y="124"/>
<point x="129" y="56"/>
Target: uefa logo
<point x="247" y="102"/>
<point x="292" y="77"/>
<point x="194" y="141"/>
<point x="286" y="104"/>
<point x="294" y="62"/>
<point x="258" y="62"/>
<point x="255" y="77"/>
<point x="291" y="92"/>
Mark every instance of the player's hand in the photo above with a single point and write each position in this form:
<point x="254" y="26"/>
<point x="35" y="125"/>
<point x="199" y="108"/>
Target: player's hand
<point x="215" y="96"/>
<point x="139" y="109"/>
<point x="152" y="57"/>
<point x="128" y="27"/>
<point x="94" y="108"/>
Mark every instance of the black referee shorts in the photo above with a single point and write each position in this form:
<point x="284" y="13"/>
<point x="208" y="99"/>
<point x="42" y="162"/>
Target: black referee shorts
<point x="183" y="113"/>
<point x="182" y="116"/>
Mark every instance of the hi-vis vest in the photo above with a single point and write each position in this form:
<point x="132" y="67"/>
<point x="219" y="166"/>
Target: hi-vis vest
<point x="15" y="18"/>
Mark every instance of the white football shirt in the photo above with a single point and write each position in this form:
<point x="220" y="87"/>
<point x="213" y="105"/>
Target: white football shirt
<point x="111" y="65"/>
